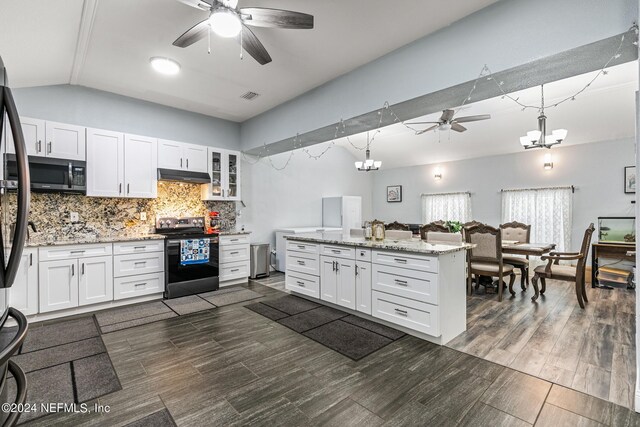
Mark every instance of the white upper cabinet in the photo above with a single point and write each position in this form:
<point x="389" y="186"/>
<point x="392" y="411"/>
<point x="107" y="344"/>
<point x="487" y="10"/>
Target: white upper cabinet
<point x="64" y="141"/>
<point x="105" y="163"/>
<point x="33" y="132"/>
<point x="224" y="169"/>
<point x="140" y="166"/>
<point x="181" y="156"/>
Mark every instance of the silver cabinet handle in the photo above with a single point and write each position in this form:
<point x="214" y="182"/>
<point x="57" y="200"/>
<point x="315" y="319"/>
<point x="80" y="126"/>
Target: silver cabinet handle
<point x="73" y="269"/>
<point x="82" y="268"/>
<point x="357" y="270"/>
<point x="301" y="246"/>
<point x="300" y="262"/>
<point x="233" y="240"/>
<point x="139" y="284"/>
<point x="235" y="269"/>
<point x="139" y="262"/>
<point x="401" y="312"/>
<point x="401" y="282"/>
<point x="234" y="253"/>
<point x="299" y="283"/>
<point x="78" y="252"/>
<point x="138" y="247"/>
<point x="400" y="260"/>
<point x="180" y="161"/>
<point x="30" y="259"/>
<point x="127" y="188"/>
<point x="39" y="147"/>
<point x="336" y="251"/>
<point x="187" y="163"/>
<point x="49" y="147"/>
<point x="337" y="266"/>
<point x="120" y="188"/>
<point x="333" y="263"/>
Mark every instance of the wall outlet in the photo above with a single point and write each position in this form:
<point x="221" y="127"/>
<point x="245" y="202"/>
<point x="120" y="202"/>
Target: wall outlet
<point x="143" y="216"/>
<point x="74" y="217"/>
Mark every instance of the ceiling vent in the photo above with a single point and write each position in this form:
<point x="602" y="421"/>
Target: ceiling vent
<point x="249" y="96"/>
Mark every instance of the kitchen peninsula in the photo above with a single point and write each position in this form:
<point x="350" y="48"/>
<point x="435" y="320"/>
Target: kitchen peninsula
<point x="411" y="285"/>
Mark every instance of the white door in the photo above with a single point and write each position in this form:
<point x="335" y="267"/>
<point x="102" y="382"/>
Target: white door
<point x="363" y="287"/>
<point x="140" y="166"/>
<point x="33" y="132"/>
<point x="23" y="294"/>
<point x="58" y="284"/>
<point x="195" y="158"/>
<point x="233" y="175"/>
<point x="96" y="280"/>
<point x="328" y="279"/>
<point x="65" y="141"/>
<point x="346" y="291"/>
<point x="170" y="154"/>
<point x="216" y="165"/>
<point x="105" y="163"/>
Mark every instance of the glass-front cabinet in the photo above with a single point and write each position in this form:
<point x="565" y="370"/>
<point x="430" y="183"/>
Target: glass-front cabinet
<point x="224" y="168"/>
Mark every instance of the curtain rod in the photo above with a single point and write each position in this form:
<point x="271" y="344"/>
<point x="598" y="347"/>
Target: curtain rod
<point x="573" y="189"/>
<point x="447" y="194"/>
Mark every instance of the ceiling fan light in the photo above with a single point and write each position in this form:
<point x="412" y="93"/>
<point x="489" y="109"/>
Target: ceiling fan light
<point x="165" y="65"/>
<point x="444" y="126"/>
<point x="559" y="134"/>
<point x="534" y="135"/>
<point x="377" y="164"/>
<point x="225" y="23"/>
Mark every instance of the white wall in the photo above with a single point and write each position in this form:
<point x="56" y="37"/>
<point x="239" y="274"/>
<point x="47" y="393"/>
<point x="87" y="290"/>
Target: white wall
<point x="596" y="169"/>
<point x="293" y="197"/>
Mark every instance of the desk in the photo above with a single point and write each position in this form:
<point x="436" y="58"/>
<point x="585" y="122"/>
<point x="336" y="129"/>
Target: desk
<point x="618" y="251"/>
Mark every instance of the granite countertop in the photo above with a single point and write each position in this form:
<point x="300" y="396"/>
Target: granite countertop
<point x="410" y="245"/>
<point x="233" y="233"/>
<point x="87" y="239"/>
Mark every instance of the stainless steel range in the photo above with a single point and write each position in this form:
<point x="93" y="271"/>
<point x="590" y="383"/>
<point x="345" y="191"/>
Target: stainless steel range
<point x="191" y="256"/>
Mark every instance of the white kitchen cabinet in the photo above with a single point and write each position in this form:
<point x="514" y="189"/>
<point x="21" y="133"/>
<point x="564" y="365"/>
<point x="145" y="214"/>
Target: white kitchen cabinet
<point x="363" y="287"/>
<point x="58" y="284"/>
<point x="65" y="141"/>
<point x="181" y="156"/>
<point x="105" y="163"/>
<point x="233" y="255"/>
<point x="96" y="280"/>
<point x="23" y="294"/>
<point x="338" y="281"/>
<point x="33" y="132"/>
<point x="224" y="168"/>
<point x="140" y="166"/>
<point x="328" y="279"/>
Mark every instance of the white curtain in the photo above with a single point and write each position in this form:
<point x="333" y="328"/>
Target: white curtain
<point x="446" y="207"/>
<point x="548" y="210"/>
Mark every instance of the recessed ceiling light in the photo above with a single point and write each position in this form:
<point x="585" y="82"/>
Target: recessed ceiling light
<point x="165" y="65"/>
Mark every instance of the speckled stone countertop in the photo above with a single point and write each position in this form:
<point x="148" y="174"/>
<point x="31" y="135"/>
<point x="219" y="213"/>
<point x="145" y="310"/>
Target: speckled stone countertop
<point x="412" y="245"/>
<point x="233" y="233"/>
<point x="88" y="239"/>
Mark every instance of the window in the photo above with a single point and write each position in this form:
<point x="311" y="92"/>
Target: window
<point x="446" y="207"/>
<point x="548" y="210"/>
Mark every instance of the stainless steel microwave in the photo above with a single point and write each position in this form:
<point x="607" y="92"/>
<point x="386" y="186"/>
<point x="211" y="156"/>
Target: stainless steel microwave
<point x="51" y="175"/>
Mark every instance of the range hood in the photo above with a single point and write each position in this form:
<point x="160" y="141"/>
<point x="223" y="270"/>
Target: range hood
<point x="183" y="176"/>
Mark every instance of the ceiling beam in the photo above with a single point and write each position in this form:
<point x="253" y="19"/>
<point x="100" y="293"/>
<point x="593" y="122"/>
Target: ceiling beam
<point x="89" y="9"/>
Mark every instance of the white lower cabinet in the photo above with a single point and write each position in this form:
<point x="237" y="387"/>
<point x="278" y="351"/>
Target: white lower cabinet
<point x="96" y="280"/>
<point x="139" y="270"/>
<point x="338" y="281"/>
<point x="23" y="294"/>
<point x="328" y="279"/>
<point x="58" y="287"/>
<point x="134" y="286"/>
<point x="233" y="258"/>
<point x="363" y="287"/>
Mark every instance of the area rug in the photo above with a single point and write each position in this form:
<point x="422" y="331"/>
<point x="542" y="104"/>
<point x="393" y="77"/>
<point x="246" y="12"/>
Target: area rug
<point x="349" y="335"/>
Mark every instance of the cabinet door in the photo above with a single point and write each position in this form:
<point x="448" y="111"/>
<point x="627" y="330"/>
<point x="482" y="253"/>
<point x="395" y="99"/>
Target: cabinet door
<point x="23" y="294"/>
<point x="233" y="175"/>
<point x="328" y="279"/>
<point x="363" y="287"/>
<point x="65" y="141"/>
<point x="195" y="158"/>
<point x="105" y="163"/>
<point x="96" y="280"/>
<point x="170" y="154"/>
<point x="140" y="166"/>
<point x="58" y="285"/>
<point x="216" y="167"/>
<point x="346" y="291"/>
<point x="33" y="132"/>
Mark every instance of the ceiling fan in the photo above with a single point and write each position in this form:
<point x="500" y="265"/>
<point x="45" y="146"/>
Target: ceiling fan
<point x="447" y="121"/>
<point x="226" y="20"/>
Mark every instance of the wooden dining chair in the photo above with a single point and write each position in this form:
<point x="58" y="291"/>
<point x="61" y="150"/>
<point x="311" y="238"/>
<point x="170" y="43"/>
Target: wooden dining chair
<point x="521" y="233"/>
<point x="395" y="225"/>
<point x="485" y="259"/>
<point x="432" y="226"/>
<point x="567" y="273"/>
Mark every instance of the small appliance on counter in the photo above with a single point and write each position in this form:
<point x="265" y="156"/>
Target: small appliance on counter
<point x="191" y="256"/>
<point x="215" y="223"/>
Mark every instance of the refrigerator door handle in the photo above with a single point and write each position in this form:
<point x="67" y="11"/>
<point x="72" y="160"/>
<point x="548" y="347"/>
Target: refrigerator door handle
<point x="24" y="186"/>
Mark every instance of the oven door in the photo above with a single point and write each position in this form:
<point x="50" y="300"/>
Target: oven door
<point x="185" y="278"/>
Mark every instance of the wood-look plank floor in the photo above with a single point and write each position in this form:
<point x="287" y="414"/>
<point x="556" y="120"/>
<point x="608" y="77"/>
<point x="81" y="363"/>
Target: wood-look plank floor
<point x="231" y="366"/>
<point x="590" y="350"/>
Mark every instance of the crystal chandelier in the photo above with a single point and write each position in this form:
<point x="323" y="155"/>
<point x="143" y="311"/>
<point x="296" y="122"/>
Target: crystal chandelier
<point x="369" y="164"/>
<point x="539" y="138"/>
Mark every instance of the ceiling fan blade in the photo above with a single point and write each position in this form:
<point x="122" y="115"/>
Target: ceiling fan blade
<point x="253" y="46"/>
<point x="427" y="130"/>
<point x="199" y="4"/>
<point x="193" y="34"/>
<point x="447" y="115"/>
<point x="276" y="18"/>
<point x="472" y="118"/>
<point x="458" y="128"/>
<point x="421" y="123"/>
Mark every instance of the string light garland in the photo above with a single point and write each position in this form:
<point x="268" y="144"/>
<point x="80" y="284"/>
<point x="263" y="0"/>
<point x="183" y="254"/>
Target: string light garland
<point x="485" y="75"/>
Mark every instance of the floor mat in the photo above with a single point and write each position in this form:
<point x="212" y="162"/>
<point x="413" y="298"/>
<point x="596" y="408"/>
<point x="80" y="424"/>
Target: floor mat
<point x="94" y="377"/>
<point x="137" y="322"/>
<point x="227" y="297"/>
<point x="189" y="304"/>
<point x="157" y="419"/>
<point x="130" y="313"/>
<point x="266" y="311"/>
<point x="311" y="319"/>
<point x="379" y="329"/>
<point x="347" y="339"/>
<point x="64" y="332"/>
<point x="291" y="304"/>
<point x="51" y="356"/>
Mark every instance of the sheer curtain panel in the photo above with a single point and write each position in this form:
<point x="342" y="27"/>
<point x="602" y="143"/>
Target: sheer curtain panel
<point x="446" y="207"/>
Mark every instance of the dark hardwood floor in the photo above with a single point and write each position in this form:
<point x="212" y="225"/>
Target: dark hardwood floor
<point x="231" y="366"/>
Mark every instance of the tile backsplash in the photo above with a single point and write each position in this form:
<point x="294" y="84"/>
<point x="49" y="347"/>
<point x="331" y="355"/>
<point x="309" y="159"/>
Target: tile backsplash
<point x="118" y="216"/>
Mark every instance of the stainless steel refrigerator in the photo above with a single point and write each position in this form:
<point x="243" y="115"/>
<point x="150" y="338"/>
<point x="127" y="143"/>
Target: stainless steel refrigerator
<point x="15" y="197"/>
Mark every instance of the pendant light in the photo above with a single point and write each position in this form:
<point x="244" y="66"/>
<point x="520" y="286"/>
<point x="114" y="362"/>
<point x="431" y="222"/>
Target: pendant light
<point x="538" y="138"/>
<point x="369" y="164"/>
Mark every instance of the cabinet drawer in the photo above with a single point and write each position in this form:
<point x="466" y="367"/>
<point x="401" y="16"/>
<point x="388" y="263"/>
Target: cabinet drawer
<point x="52" y="253"/>
<point x="234" y="253"/>
<point x="310" y="248"/>
<point x="144" y="284"/>
<point x="123" y="248"/>
<point x="128" y="265"/>
<point x="236" y="270"/>
<point x="338" y="251"/>
<point x="363" y="254"/>
<point x="303" y="263"/>
<point x="412" y="314"/>
<point x="303" y="284"/>
<point x="414" y="262"/>
<point x="418" y="285"/>
<point x="234" y="239"/>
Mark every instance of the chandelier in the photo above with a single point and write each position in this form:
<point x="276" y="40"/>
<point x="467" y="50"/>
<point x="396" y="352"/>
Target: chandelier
<point x="369" y="164"/>
<point x="539" y="138"/>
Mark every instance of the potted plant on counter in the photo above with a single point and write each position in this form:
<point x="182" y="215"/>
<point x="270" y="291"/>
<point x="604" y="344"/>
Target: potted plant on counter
<point x="453" y="226"/>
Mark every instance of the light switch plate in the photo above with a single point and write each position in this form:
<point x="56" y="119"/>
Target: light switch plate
<point x="143" y="216"/>
<point x="74" y="217"/>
